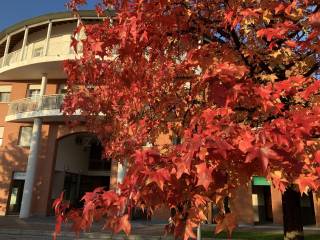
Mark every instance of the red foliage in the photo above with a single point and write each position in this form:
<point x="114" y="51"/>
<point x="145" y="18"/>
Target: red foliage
<point x="237" y="83"/>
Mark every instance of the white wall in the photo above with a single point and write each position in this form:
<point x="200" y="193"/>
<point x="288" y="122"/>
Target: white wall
<point x="72" y="157"/>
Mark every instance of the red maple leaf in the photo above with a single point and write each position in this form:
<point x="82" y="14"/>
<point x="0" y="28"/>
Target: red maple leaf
<point x="306" y="183"/>
<point x="97" y="47"/>
<point x="228" y="223"/>
<point x="314" y="19"/>
<point x="118" y="224"/>
<point x="264" y="154"/>
<point x="159" y="177"/>
<point x="204" y="175"/>
<point x="185" y="229"/>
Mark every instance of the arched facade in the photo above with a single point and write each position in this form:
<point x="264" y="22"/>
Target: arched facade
<point x="36" y="146"/>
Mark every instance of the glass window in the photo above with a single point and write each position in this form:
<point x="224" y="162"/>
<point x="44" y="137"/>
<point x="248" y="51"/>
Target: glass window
<point x="37" y="52"/>
<point x="5" y="92"/>
<point x="25" y="136"/>
<point x="1" y="135"/>
<point x="33" y="90"/>
<point x="62" y="89"/>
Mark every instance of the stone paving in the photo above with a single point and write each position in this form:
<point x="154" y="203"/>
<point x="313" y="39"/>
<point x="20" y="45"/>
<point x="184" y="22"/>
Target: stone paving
<point x="42" y="229"/>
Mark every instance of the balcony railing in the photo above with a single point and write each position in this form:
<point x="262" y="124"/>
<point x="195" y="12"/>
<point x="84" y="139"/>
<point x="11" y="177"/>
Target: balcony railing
<point x="37" y="103"/>
<point x="35" y="50"/>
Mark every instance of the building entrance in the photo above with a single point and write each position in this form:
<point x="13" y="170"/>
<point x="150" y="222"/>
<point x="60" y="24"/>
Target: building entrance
<point x="75" y="186"/>
<point x="307" y="209"/>
<point x="80" y="167"/>
<point x="15" y="197"/>
<point x="261" y="200"/>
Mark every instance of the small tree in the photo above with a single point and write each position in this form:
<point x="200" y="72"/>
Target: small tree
<point x="235" y="81"/>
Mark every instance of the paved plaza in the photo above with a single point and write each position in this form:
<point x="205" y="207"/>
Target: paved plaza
<point x="42" y="228"/>
<point x="12" y="227"/>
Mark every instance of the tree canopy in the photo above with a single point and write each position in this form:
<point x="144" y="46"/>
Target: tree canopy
<point x="234" y="83"/>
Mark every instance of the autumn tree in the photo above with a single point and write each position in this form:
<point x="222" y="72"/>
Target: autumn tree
<point x="235" y="81"/>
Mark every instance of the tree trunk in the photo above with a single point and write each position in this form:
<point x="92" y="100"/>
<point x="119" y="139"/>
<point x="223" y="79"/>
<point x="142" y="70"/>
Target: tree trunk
<point x="292" y="217"/>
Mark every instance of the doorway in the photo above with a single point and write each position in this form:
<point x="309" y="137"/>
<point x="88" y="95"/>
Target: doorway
<point x="307" y="209"/>
<point x="15" y="197"/>
<point x="261" y="200"/>
<point x="80" y="167"/>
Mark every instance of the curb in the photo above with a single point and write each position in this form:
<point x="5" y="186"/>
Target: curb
<point x="87" y="235"/>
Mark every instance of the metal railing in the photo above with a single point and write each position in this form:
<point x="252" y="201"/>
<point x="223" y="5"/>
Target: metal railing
<point x="37" y="103"/>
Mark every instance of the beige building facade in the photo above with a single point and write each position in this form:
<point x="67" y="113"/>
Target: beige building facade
<point x="40" y="156"/>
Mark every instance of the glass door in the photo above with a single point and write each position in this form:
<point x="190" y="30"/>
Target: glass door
<point x="15" y="197"/>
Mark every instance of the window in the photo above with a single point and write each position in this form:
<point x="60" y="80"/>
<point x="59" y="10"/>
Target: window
<point x="25" y="136"/>
<point x="1" y="135"/>
<point x="96" y="160"/>
<point x="5" y="92"/>
<point x="33" y="91"/>
<point x="176" y="140"/>
<point x="62" y="89"/>
<point x="37" y="52"/>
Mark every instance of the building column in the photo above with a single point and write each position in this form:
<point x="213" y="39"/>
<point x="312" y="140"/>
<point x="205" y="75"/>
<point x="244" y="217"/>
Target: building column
<point x="276" y="199"/>
<point x="114" y="175"/>
<point x="120" y="174"/>
<point x="26" y="203"/>
<point x="46" y="45"/>
<point x="316" y="203"/>
<point x="31" y="169"/>
<point x="44" y="80"/>
<point x="6" y="50"/>
<point x="241" y="204"/>
<point x="25" y="39"/>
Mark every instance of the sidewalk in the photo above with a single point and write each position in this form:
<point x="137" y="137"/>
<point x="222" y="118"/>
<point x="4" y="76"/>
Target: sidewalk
<point x="41" y="228"/>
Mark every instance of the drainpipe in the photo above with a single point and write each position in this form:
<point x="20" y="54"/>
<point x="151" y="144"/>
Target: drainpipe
<point x="26" y="204"/>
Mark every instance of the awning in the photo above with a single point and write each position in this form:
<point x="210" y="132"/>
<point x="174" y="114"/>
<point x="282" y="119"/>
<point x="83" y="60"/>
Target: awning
<point x="260" y="181"/>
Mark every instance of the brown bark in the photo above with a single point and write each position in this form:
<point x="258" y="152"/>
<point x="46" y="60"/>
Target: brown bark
<point x="292" y="216"/>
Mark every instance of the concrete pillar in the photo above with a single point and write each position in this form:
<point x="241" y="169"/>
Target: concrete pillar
<point x="120" y="174"/>
<point x="44" y="80"/>
<point x="114" y="175"/>
<point x="25" y="211"/>
<point x="276" y="199"/>
<point x="78" y="36"/>
<point x="25" y="39"/>
<point x="31" y="169"/>
<point x="316" y="203"/>
<point x="41" y="203"/>
<point x="46" y="45"/>
<point x="209" y="213"/>
<point x="241" y="204"/>
<point x="6" y="51"/>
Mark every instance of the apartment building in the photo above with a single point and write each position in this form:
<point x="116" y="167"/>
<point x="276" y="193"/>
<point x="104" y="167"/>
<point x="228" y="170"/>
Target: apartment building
<point x="40" y="156"/>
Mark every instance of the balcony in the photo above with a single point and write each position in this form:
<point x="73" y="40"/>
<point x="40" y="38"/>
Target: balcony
<point x="36" y="60"/>
<point x="35" y="51"/>
<point x="47" y="107"/>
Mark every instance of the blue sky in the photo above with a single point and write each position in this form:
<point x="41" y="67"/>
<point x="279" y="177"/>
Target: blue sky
<point x="14" y="11"/>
